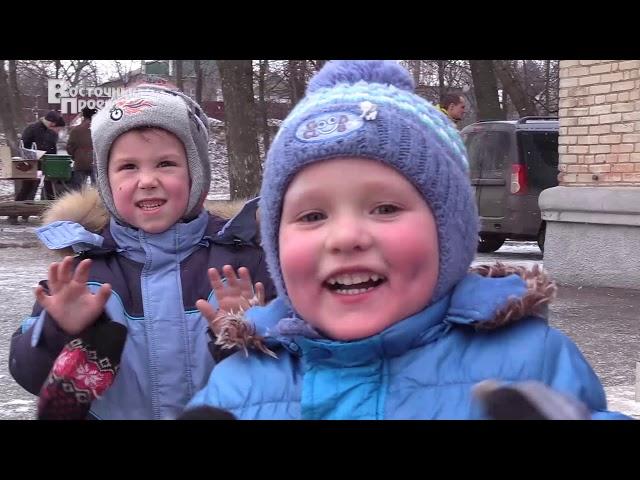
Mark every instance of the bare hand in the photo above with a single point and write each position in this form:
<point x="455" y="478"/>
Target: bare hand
<point x="234" y="297"/>
<point x="69" y="301"/>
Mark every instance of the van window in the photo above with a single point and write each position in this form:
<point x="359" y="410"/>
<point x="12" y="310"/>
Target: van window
<point x="539" y="152"/>
<point x="488" y="152"/>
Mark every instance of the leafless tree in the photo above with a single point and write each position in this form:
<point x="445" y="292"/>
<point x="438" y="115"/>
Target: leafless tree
<point x="245" y="169"/>
<point x="6" y="111"/>
<point x="178" y="74"/>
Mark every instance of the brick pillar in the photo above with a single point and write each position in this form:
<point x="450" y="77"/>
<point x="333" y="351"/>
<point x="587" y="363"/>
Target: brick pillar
<point x="593" y="216"/>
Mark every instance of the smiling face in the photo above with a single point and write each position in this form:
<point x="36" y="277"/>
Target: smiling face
<point x="358" y="247"/>
<point x="149" y="179"/>
<point x="332" y="124"/>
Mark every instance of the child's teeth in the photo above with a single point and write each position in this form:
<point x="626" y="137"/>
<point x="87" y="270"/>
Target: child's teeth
<point x="353" y="291"/>
<point x="150" y="205"/>
<point x="352" y="279"/>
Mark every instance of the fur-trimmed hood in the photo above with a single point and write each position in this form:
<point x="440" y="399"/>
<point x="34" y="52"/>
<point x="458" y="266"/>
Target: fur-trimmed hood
<point x="540" y="292"/>
<point x="85" y="207"/>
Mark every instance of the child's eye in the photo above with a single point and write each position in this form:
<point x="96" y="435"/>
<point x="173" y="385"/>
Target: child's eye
<point x="312" y="217"/>
<point x="167" y="163"/>
<point x="127" y="166"/>
<point x="385" y="209"/>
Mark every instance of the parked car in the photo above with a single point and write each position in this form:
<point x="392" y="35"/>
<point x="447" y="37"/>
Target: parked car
<point x="511" y="162"/>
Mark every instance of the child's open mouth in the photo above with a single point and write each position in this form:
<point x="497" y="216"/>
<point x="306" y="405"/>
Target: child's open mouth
<point x="354" y="284"/>
<point x="150" y="205"/>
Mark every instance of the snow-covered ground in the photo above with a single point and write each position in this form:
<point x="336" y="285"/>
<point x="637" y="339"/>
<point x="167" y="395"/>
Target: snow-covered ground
<point x="622" y="398"/>
<point x="513" y="252"/>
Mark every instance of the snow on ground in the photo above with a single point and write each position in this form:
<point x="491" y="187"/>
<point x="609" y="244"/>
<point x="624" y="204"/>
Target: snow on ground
<point x="621" y="398"/>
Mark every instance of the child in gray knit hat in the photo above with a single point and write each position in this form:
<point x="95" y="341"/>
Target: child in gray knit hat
<point x="143" y="250"/>
<point x="369" y="226"/>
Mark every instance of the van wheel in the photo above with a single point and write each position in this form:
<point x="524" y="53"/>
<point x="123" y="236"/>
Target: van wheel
<point x="541" y="234"/>
<point x="490" y="243"/>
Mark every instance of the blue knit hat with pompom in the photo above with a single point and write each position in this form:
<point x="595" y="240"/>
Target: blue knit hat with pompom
<point x="368" y="109"/>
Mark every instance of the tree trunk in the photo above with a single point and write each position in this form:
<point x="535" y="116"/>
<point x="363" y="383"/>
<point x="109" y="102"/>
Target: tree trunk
<point x="16" y="97"/>
<point x="266" y="137"/>
<point x="415" y="71"/>
<point x="179" y="82"/>
<point x="297" y="82"/>
<point x="6" y="112"/>
<point x="485" y="88"/>
<point x="320" y="64"/>
<point x="440" y="79"/>
<point x="245" y="170"/>
<point x="505" y="103"/>
<point x="197" y="66"/>
<point x="514" y="88"/>
<point x="547" y="81"/>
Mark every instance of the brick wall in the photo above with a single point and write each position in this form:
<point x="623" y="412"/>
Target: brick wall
<point x="599" y="141"/>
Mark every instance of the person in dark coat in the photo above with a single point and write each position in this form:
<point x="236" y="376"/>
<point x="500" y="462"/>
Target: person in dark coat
<point x="80" y="148"/>
<point x="43" y="135"/>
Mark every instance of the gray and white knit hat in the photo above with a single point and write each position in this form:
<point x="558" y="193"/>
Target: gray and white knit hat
<point x="154" y="106"/>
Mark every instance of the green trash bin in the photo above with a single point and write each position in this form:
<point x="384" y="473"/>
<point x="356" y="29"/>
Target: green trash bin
<point x="57" y="167"/>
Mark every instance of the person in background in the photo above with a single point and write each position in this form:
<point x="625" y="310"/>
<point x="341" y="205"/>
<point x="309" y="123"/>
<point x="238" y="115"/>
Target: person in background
<point x="80" y="148"/>
<point x="44" y="134"/>
<point x="453" y="105"/>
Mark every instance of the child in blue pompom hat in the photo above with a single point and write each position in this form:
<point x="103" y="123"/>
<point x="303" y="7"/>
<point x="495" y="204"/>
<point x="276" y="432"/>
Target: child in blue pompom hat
<point x="369" y="227"/>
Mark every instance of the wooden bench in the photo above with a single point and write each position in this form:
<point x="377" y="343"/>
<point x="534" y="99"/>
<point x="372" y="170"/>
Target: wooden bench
<point x="23" y="208"/>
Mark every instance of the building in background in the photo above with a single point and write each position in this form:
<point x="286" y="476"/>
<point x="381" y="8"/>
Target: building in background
<point x="593" y="216"/>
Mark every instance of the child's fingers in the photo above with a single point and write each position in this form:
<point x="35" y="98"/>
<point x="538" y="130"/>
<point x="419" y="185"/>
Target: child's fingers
<point x="65" y="272"/>
<point x="215" y="279"/>
<point x="52" y="277"/>
<point x="245" y="276"/>
<point x="230" y="275"/>
<point x="103" y="294"/>
<point x="259" y="292"/>
<point x="246" y="290"/>
<point x="41" y="297"/>
<point x="206" y="309"/>
<point x="210" y="314"/>
<point x="81" y="275"/>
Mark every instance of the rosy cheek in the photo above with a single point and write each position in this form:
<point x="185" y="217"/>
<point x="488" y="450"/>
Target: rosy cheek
<point x="293" y="261"/>
<point x="407" y="242"/>
<point x="296" y="258"/>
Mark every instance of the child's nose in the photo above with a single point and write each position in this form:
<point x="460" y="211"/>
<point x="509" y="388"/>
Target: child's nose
<point x="147" y="179"/>
<point x="348" y="234"/>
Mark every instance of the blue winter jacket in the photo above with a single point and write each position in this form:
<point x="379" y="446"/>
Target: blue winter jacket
<point x="156" y="280"/>
<point x="420" y="368"/>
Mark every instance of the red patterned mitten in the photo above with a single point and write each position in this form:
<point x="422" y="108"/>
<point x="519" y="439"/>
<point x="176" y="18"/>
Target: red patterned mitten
<point x="84" y="370"/>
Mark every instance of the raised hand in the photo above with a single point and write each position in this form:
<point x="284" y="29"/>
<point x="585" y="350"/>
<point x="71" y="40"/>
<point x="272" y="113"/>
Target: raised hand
<point x="234" y="297"/>
<point x="69" y="301"/>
